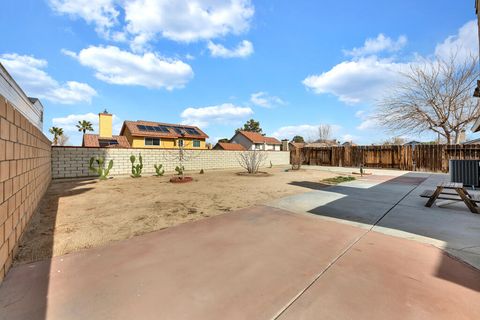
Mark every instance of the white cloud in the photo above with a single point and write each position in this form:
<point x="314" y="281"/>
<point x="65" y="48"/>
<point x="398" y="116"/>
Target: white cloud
<point x="243" y="50"/>
<point x="357" y="81"/>
<point x="222" y="114"/>
<point x="150" y="70"/>
<point x="367" y="77"/>
<point x="367" y="120"/>
<point x="464" y="43"/>
<point x="263" y="99"/>
<point x="28" y="72"/>
<point x="145" y="20"/>
<point x="379" y="44"/>
<point x="101" y="13"/>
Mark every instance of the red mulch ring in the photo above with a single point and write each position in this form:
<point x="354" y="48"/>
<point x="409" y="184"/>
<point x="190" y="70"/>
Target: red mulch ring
<point x="181" y="180"/>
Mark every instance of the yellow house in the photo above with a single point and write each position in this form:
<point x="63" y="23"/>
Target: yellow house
<point x="147" y="134"/>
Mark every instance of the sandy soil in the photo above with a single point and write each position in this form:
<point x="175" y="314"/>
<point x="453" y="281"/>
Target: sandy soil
<point x="82" y="214"/>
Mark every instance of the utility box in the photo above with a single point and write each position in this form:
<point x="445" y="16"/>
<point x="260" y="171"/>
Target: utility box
<point x="465" y="171"/>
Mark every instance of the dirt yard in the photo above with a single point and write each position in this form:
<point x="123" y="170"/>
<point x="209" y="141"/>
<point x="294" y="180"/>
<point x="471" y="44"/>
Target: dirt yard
<point x="88" y="213"/>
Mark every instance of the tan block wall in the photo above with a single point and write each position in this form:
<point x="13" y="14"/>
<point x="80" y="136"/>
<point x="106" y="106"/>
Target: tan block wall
<point x="70" y="162"/>
<point x="25" y="174"/>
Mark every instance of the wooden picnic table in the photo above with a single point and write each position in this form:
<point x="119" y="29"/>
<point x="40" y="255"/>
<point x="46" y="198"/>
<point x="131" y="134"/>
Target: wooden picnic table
<point x="454" y="191"/>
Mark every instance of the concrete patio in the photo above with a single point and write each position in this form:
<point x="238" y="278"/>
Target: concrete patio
<point x="339" y="253"/>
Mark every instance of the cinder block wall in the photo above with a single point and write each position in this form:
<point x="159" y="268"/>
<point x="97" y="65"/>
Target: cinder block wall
<point x="25" y="174"/>
<point x="69" y="162"/>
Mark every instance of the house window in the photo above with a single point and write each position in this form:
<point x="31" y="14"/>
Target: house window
<point x="180" y="143"/>
<point x="152" y="141"/>
<point x="196" y="143"/>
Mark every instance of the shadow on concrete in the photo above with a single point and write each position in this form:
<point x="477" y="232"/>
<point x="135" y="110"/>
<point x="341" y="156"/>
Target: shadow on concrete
<point x="392" y="205"/>
<point x="37" y="245"/>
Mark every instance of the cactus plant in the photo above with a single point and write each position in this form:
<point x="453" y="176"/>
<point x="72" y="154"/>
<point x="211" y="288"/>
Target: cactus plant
<point x="136" y="168"/>
<point x="100" y="170"/>
<point x="159" y="169"/>
<point x="180" y="169"/>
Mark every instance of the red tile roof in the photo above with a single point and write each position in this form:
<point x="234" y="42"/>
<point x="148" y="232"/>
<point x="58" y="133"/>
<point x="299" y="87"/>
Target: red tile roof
<point x="93" y="140"/>
<point x="258" y="138"/>
<point x="132" y="127"/>
<point x="229" y="146"/>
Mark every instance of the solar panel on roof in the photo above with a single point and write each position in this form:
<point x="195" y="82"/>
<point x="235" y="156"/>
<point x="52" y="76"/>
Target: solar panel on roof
<point x="163" y="128"/>
<point x="107" y="142"/>
<point x="178" y="130"/>
<point x="141" y="127"/>
<point x="192" y="131"/>
<point x="150" y="128"/>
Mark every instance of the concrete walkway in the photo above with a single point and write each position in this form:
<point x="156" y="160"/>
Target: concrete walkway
<point x="269" y="263"/>
<point x="389" y="202"/>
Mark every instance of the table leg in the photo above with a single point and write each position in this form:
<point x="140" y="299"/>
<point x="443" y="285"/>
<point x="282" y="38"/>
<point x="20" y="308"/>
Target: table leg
<point x="434" y="197"/>
<point x="470" y="204"/>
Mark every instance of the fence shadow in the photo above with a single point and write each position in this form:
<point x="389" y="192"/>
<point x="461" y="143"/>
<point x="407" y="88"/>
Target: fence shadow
<point x="395" y="204"/>
<point x="30" y="282"/>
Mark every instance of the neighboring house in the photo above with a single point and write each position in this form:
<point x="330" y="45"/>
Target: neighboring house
<point x="255" y="141"/>
<point x="30" y="108"/>
<point x="147" y="134"/>
<point x="229" y="146"/>
<point x="412" y="143"/>
<point x="322" y="144"/>
<point x="349" y="144"/>
<point x="105" y="138"/>
<point x="296" y="145"/>
<point x="474" y="141"/>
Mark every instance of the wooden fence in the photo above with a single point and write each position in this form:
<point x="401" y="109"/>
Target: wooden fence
<point x="432" y="158"/>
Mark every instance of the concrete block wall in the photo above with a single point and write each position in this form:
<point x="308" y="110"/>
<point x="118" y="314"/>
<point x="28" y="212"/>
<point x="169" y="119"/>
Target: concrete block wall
<point x="70" y="162"/>
<point x="25" y="174"/>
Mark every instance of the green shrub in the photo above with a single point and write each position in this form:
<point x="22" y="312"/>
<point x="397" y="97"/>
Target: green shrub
<point x="100" y="170"/>
<point x="180" y="170"/>
<point x="136" y="168"/>
<point x="159" y="171"/>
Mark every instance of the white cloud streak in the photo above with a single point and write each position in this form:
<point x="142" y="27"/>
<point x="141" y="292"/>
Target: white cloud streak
<point x="243" y="50"/>
<point x="226" y="113"/>
<point x="150" y="70"/>
<point x="28" y="72"/>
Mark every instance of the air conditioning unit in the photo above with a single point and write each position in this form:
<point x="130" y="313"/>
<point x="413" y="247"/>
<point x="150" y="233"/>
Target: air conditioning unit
<point x="465" y="171"/>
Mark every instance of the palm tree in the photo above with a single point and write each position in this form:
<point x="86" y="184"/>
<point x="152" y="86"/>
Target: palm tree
<point x="57" y="132"/>
<point x="84" y="126"/>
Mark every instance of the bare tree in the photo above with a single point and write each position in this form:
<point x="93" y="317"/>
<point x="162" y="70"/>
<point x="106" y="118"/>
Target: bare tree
<point x="183" y="155"/>
<point x="63" y="140"/>
<point x="324" y="132"/>
<point x="252" y="160"/>
<point x="297" y="159"/>
<point x="435" y="95"/>
<point x="395" y="141"/>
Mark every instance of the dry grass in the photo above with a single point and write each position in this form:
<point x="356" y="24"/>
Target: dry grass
<point x="84" y="214"/>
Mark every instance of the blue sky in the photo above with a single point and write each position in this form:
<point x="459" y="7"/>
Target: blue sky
<point x="290" y="65"/>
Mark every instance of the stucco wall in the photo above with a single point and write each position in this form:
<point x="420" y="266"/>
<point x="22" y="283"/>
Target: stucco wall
<point x="69" y="162"/>
<point x="25" y="174"/>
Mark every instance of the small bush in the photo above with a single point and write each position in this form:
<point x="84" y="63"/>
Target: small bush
<point x="338" y="179"/>
<point x="201" y="171"/>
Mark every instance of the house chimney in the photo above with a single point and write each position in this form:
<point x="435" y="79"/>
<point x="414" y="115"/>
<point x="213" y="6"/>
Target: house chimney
<point x="285" y="145"/>
<point x="105" y="124"/>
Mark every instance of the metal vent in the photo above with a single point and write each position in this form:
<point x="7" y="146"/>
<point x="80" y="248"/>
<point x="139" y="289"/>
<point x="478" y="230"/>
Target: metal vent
<point x="465" y="171"/>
